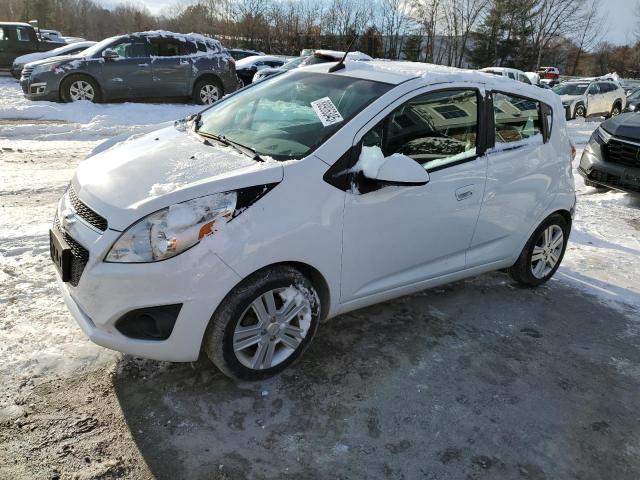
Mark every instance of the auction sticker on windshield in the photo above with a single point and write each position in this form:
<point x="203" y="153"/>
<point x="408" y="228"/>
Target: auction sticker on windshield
<point x="326" y="111"/>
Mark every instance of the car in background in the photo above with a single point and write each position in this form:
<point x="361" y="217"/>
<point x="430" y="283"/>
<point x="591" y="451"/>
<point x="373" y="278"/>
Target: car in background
<point x="318" y="56"/>
<point x="611" y="158"/>
<point x="586" y="98"/>
<point x="549" y="73"/>
<point x="51" y="36"/>
<point x="246" y="68"/>
<point x="512" y="73"/>
<point x="144" y="65"/>
<point x="633" y="101"/>
<point x="415" y="179"/>
<point x="239" y="54"/>
<point x="70" y="49"/>
<point x="305" y="52"/>
<point x="18" y="39"/>
<point x="290" y="65"/>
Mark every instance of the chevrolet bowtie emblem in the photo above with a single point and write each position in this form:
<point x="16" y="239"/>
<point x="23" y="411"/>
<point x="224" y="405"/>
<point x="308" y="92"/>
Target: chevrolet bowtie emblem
<point x="68" y="218"/>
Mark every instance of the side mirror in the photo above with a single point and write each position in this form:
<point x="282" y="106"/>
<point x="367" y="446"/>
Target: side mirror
<point x="397" y="169"/>
<point x="110" y="54"/>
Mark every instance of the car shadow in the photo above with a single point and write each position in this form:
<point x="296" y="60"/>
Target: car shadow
<point x="453" y="382"/>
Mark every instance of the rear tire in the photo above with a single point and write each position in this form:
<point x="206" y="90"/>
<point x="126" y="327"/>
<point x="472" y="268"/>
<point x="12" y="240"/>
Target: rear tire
<point x="543" y="253"/>
<point x="264" y="324"/>
<point x="207" y="91"/>
<point x="80" y="87"/>
<point x="615" y="110"/>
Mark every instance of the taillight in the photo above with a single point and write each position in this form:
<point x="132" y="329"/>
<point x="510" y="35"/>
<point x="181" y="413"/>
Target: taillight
<point x="573" y="151"/>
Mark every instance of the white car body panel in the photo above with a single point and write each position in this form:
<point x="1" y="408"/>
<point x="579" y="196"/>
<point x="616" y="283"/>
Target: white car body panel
<point x="35" y="56"/>
<point x="471" y="217"/>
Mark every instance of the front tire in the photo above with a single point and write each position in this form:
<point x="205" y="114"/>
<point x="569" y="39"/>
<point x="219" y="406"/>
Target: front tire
<point x="615" y="110"/>
<point x="543" y="253"/>
<point x="264" y="324"/>
<point x="80" y="87"/>
<point x="580" y="112"/>
<point x="207" y="91"/>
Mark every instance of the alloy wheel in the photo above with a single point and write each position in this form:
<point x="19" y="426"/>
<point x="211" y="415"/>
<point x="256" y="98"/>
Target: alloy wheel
<point x="580" y="111"/>
<point x="616" y="111"/>
<point x="209" y="94"/>
<point x="272" y="328"/>
<point x="547" y="251"/>
<point x="81" y="90"/>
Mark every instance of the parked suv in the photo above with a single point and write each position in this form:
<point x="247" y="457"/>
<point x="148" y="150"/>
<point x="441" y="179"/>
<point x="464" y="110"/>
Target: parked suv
<point x="139" y="65"/>
<point x="611" y="158"/>
<point x="585" y="98"/>
<point x="312" y="193"/>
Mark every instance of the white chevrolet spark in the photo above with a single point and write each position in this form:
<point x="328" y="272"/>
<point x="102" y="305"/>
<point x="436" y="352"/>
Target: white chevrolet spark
<point x="305" y="196"/>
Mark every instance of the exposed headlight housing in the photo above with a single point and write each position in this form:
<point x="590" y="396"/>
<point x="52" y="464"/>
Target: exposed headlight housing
<point x="632" y="108"/>
<point x="172" y="230"/>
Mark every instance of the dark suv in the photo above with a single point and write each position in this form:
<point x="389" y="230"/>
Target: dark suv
<point x="140" y="65"/>
<point x="611" y="159"/>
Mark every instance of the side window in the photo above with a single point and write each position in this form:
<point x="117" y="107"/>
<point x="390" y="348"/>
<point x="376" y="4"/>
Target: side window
<point x="524" y="78"/>
<point x="435" y="129"/>
<point x="511" y="76"/>
<point x="165" y="47"/>
<point x="3" y="35"/>
<point x="134" y="48"/>
<point x="516" y="119"/>
<point x="593" y="89"/>
<point x="201" y="47"/>
<point x="188" y="48"/>
<point x="22" y="34"/>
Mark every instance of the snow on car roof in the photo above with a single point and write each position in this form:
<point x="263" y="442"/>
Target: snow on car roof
<point x="249" y="60"/>
<point x="185" y="37"/>
<point x="14" y="24"/>
<point x="338" y="55"/>
<point x="396" y="72"/>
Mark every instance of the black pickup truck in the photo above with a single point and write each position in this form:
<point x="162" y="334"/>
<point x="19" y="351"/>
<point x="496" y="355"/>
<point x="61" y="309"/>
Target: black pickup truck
<point x="19" y="39"/>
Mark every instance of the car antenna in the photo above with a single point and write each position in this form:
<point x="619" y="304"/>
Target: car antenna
<point x="340" y="64"/>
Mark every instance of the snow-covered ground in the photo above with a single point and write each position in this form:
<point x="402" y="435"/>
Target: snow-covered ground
<point x="40" y="146"/>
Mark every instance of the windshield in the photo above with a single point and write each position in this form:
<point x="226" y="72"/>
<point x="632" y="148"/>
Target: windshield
<point x="635" y="94"/>
<point x="98" y="47"/>
<point x="290" y="115"/>
<point x="571" y="88"/>
<point x="290" y="65"/>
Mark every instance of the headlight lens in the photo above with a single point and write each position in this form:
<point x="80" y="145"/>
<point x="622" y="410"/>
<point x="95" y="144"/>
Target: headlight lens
<point x="604" y="135"/>
<point x="172" y="230"/>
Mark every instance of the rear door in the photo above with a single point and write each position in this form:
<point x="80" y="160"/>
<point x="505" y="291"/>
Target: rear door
<point x="129" y="75"/>
<point x="594" y="99"/>
<point x="519" y="170"/>
<point x="171" y="66"/>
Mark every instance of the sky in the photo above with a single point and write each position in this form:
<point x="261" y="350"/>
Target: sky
<point x="621" y="16"/>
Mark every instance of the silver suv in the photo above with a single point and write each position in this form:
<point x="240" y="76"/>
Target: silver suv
<point x="589" y="97"/>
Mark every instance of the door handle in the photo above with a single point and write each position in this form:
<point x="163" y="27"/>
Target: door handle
<point x="143" y="65"/>
<point x="464" y="193"/>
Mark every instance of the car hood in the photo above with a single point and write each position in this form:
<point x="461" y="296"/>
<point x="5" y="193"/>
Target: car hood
<point x="570" y="98"/>
<point x="30" y="57"/>
<point x="148" y="172"/>
<point x="626" y="125"/>
<point x="54" y="60"/>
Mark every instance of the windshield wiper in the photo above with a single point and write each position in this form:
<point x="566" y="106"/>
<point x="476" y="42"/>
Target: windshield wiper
<point x="248" y="151"/>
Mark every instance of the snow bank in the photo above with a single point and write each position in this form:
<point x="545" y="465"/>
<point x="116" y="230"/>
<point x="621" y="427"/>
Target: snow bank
<point x="78" y="120"/>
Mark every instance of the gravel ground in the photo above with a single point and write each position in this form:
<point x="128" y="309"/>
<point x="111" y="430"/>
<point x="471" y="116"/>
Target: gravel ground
<point x="478" y="379"/>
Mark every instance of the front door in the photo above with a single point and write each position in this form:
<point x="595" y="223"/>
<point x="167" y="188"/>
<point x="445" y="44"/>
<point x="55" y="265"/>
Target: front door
<point x="395" y="236"/>
<point x="129" y="75"/>
<point x="171" y="66"/>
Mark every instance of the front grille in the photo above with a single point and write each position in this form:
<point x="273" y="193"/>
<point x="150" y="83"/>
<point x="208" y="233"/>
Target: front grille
<point x="614" y="181"/>
<point x="85" y="212"/>
<point x="80" y="255"/>
<point x="623" y="153"/>
<point x="26" y="72"/>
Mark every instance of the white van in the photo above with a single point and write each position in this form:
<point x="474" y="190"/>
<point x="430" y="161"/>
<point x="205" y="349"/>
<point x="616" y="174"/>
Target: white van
<point x="512" y="73"/>
<point x="310" y="194"/>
